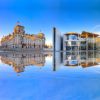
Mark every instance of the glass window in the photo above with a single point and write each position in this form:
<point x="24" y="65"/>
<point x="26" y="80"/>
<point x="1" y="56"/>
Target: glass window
<point x="73" y="37"/>
<point x="74" y="43"/>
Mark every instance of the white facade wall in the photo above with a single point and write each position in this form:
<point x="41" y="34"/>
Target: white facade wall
<point x="18" y="41"/>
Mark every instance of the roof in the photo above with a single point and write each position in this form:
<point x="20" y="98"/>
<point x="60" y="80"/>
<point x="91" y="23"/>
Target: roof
<point x="19" y="26"/>
<point x="29" y="36"/>
<point x="83" y="35"/>
<point x="88" y="34"/>
<point x="71" y="33"/>
<point x="32" y="37"/>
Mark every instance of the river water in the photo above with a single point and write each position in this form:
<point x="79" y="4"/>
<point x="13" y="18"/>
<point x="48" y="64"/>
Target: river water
<point x="50" y="76"/>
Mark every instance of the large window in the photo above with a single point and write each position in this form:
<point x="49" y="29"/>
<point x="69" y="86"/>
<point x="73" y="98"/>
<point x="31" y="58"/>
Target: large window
<point x="83" y="42"/>
<point x="74" y="43"/>
<point x="72" y="37"/>
<point x="73" y="62"/>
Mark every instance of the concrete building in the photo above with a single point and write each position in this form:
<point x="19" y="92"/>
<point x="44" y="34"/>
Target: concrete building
<point x="20" y="40"/>
<point x="56" y="40"/>
<point x="83" y="41"/>
<point x="98" y="43"/>
<point x="71" y="41"/>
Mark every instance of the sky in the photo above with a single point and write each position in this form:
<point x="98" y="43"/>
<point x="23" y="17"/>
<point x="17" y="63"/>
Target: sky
<point x="36" y="15"/>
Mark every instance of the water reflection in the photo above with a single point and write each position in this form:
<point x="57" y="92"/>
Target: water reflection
<point x="20" y="60"/>
<point x="83" y="59"/>
<point x="68" y="59"/>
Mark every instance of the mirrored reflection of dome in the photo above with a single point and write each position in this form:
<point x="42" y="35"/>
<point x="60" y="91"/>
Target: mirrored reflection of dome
<point x="19" y="61"/>
<point x="18" y="69"/>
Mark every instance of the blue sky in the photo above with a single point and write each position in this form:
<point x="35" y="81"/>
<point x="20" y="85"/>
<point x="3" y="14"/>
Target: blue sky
<point x="36" y="15"/>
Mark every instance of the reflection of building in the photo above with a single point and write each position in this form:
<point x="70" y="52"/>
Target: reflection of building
<point x="20" y="40"/>
<point x="84" y="59"/>
<point x="19" y="61"/>
<point x="57" y="58"/>
<point x="84" y="41"/>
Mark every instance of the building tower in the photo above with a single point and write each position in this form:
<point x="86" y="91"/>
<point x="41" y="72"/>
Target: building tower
<point x="56" y="40"/>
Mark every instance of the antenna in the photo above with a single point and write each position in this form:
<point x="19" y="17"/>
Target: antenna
<point x="18" y="23"/>
<point x="40" y="30"/>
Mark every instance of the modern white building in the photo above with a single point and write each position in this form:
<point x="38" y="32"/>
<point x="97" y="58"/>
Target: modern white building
<point x="84" y="41"/>
<point x="71" y="41"/>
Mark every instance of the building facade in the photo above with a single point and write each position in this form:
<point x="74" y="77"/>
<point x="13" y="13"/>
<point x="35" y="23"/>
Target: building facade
<point x="56" y="40"/>
<point x="20" y="40"/>
<point x="83" y="41"/>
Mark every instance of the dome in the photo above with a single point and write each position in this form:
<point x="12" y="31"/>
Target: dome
<point x="40" y="34"/>
<point x="19" y="29"/>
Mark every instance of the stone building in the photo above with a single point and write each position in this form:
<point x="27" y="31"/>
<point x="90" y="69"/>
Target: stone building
<point x="20" y="40"/>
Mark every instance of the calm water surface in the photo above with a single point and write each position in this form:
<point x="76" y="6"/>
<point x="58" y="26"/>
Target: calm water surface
<point x="50" y="76"/>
